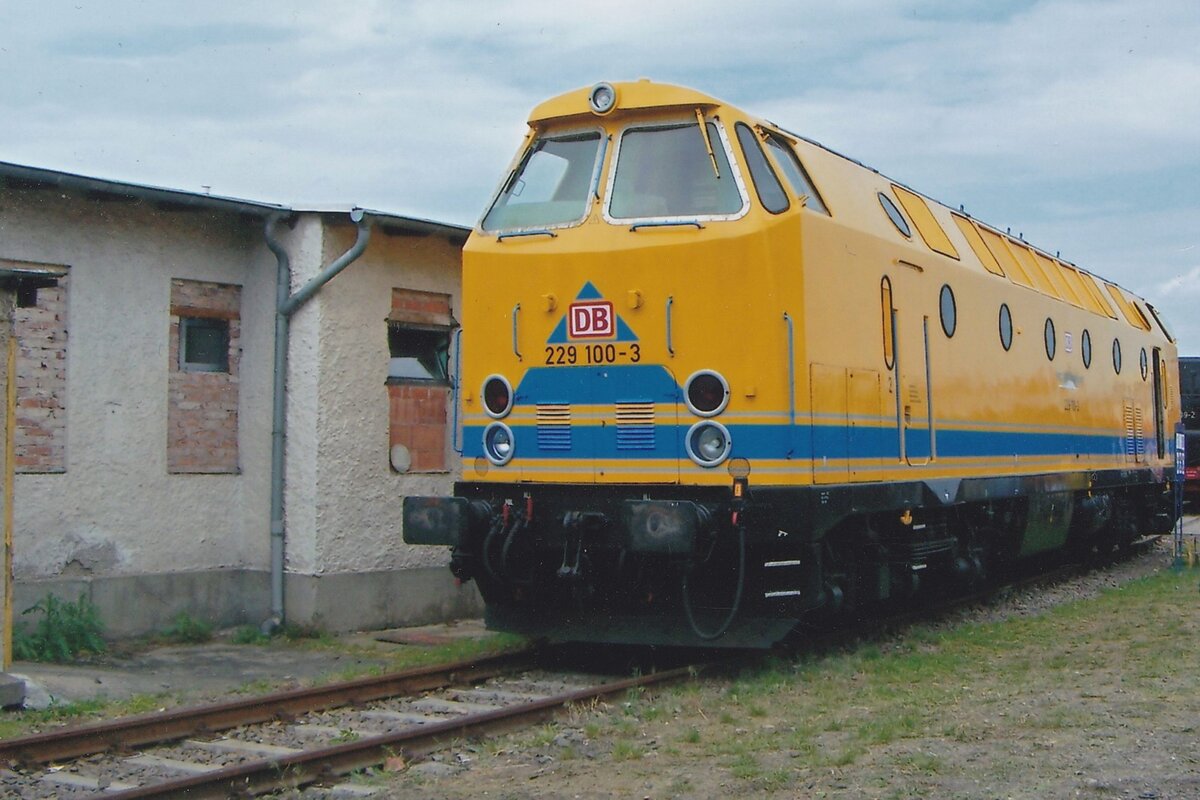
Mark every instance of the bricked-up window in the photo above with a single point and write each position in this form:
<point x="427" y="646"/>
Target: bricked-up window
<point x="202" y="401"/>
<point x="40" y="325"/>
<point x="420" y="327"/>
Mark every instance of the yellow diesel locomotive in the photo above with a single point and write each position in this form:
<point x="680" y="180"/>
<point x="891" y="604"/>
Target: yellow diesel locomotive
<point x="716" y="378"/>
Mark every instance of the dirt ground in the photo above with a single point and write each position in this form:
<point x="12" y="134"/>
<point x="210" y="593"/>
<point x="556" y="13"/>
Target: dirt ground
<point x="1105" y="707"/>
<point x="196" y="673"/>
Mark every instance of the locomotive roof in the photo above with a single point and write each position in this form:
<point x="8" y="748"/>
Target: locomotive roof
<point x="638" y="94"/>
<point x="645" y="94"/>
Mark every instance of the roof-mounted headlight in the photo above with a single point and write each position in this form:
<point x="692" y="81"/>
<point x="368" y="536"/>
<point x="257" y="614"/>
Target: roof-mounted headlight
<point x="603" y="98"/>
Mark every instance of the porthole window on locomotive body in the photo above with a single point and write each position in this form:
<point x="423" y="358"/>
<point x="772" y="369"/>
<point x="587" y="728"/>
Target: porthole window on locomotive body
<point x="1006" y="328"/>
<point x="949" y="311"/>
<point x="1085" y="346"/>
<point x="894" y="215"/>
<point x="1144" y="363"/>
<point x="1117" y="356"/>
<point x="1051" y="340"/>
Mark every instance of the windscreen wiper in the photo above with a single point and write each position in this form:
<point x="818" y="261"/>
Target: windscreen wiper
<point x="707" y="142"/>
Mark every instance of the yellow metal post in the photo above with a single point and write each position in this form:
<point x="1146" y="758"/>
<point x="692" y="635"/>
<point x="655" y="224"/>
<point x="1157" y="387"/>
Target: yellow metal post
<point x="10" y="418"/>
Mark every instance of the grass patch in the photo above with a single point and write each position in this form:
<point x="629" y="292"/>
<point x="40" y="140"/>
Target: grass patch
<point x="1001" y="681"/>
<point x="625" y="750"/>
<point x="186" y="629"/>
<point x="24" y="722"/>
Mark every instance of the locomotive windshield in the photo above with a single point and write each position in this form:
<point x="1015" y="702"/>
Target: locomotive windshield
<point x="551" y="186"/>
<point x="667" y="172"/>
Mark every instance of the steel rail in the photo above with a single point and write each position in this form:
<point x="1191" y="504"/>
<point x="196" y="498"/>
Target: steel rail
<point x="142" y="729"/>
<point x="292" y="771"/>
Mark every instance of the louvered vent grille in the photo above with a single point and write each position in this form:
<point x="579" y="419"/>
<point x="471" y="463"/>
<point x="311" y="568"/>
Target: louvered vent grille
<point x="635" y="425"/>
<point x="1130" y="445"/>
<point x="1139" y="442"/>
<point x="554" y="426"/>
<point x="1135" y="444"/>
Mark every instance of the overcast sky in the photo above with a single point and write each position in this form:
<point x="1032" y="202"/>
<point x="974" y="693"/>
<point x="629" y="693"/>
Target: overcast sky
<point x="1074" y="123"/>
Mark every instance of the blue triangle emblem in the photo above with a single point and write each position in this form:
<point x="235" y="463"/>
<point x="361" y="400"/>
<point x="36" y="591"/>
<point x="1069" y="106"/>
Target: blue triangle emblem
<point x="621" y="333"/>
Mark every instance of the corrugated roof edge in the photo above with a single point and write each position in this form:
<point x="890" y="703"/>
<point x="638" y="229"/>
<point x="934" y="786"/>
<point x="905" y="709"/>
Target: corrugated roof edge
<point x="159" y="194"/>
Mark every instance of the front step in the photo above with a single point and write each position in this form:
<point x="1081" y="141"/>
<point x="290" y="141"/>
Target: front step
<point x="779" y="576"/>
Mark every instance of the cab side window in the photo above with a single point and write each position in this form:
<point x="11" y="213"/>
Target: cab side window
<point x="770" y="191"/>
<point x="795" y="174"/>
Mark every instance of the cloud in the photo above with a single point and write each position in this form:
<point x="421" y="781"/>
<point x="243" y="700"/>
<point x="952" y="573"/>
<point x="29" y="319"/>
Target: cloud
<point x="1075" y="122"/>
<point x="1187" y="285"/>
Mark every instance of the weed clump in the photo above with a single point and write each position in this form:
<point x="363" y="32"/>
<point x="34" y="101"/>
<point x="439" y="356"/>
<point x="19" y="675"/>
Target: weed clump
<point x="249" y="634"/>
<point x="65" y="631"/>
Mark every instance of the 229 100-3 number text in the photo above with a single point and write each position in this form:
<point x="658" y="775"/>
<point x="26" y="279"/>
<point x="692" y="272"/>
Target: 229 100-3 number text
<point x="585" y="354"/>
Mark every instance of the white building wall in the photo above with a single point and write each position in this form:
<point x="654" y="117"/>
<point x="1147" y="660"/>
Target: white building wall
<point x="358" y="506"/>
<point x="116" y="510"/>
<point x="347" y="566"/>
<point x="145" y="544"/>
<point x="305" y="246"/>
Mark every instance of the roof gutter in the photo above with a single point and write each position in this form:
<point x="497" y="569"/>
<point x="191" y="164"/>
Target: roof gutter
<point x="286" y="304"/>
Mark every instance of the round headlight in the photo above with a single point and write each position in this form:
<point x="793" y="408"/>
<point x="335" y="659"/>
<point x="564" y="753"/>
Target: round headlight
<point x="707" y="393"/>
<point x="498" y="443"/>
<point x="497" y="396"/>
<point x="603" y="98"/>
<point x="708" y="443"/>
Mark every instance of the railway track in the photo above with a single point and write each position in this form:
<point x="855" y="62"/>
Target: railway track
<point x="289" y="739"/>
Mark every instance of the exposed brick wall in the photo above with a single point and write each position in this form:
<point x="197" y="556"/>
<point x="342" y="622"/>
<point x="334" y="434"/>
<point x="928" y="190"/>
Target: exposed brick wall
<point x="417" y="418"/>
<point x="40" y="439"/>
<point x="429" y="308"/>
<point x="202" y="407"/>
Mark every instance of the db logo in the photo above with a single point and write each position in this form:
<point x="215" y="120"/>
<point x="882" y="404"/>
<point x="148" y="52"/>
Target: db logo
<point x="590" y="320"/>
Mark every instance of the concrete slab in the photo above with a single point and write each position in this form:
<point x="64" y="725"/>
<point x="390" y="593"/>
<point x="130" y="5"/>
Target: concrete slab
<point x="433" y="635"/>
<point x="12" y="691"/>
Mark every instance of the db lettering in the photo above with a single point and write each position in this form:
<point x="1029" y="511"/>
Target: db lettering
<point x="590" y="320"/>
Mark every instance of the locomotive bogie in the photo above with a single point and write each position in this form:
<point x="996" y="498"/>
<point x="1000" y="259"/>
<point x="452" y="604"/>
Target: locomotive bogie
<point x="716" y="379"/>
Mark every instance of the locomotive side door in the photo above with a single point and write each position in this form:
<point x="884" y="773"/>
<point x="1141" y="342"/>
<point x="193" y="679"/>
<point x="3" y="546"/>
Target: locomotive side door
<point x="844" y="422"/>
<point x="828" y="423"/>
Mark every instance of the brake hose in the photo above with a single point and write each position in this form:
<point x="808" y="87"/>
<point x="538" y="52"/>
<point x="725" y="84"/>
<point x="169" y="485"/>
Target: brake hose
<point x="737" y="595"/>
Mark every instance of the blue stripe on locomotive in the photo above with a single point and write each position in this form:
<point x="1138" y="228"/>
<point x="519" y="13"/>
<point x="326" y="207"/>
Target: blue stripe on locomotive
<point x="606" y="385"/>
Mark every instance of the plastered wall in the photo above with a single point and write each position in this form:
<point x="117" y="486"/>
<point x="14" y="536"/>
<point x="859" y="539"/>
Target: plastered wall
<point x="116" y="510"/>
<point x="344" y="503"/>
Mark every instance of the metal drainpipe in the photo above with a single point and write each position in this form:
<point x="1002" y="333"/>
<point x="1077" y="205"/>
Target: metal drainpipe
<point x="287" y="304"/>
